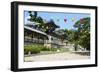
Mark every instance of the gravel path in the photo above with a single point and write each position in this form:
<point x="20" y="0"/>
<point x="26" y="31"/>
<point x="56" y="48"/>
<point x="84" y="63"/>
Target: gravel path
<point x="57" y="56"/>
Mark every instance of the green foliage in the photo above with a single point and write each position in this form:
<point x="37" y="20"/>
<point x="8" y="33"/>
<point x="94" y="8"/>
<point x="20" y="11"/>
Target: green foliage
<point x="33" y="49"/>
<point x="35" y="18"/>
<point x="43" y="48"/>
<point x="35" y="14"/>
<point x="39" y="20"/>
<point x="82" y="35"/>
<point x="53" y="49"/>
<point x="42" y="25"/>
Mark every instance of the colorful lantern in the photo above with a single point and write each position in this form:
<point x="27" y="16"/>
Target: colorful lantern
<point x="65" y="20"/>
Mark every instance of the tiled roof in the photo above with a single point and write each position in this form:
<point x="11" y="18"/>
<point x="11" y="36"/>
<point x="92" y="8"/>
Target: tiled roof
<point x="29" y="28"/>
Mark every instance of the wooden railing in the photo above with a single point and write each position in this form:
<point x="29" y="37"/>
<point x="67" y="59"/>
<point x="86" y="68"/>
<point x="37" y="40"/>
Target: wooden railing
<point x="36" y="40"/>
<point x="33" y="40"/>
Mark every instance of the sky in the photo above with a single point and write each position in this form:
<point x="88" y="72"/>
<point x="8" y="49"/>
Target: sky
<point x="64" y="20"/>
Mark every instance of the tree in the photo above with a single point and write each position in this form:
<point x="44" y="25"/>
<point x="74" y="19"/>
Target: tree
<point x="72" y="37"/>
<point x="83" y="32"/>
<point x="35" y="18"/>
<point x="41" y="24"/>
<point x="35" y="14"/>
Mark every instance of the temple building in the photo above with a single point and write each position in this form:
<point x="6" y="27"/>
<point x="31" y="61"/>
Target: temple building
<point x="34" y="34"/>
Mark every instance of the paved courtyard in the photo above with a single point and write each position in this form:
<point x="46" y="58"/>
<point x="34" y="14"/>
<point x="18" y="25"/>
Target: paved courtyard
<point x="57" y="56"/>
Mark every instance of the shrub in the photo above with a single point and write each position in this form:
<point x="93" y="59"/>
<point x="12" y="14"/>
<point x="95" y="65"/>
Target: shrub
<point x="53" y="49"/>
<point x="26" y="50"/>
<point x="33" y="49"/>
<point x="37" y="48"/>
<point x="43" y="48"/>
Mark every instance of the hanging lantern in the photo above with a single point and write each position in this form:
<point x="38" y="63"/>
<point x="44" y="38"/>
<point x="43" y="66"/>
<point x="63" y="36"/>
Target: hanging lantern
<point x="65" y="20"/>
